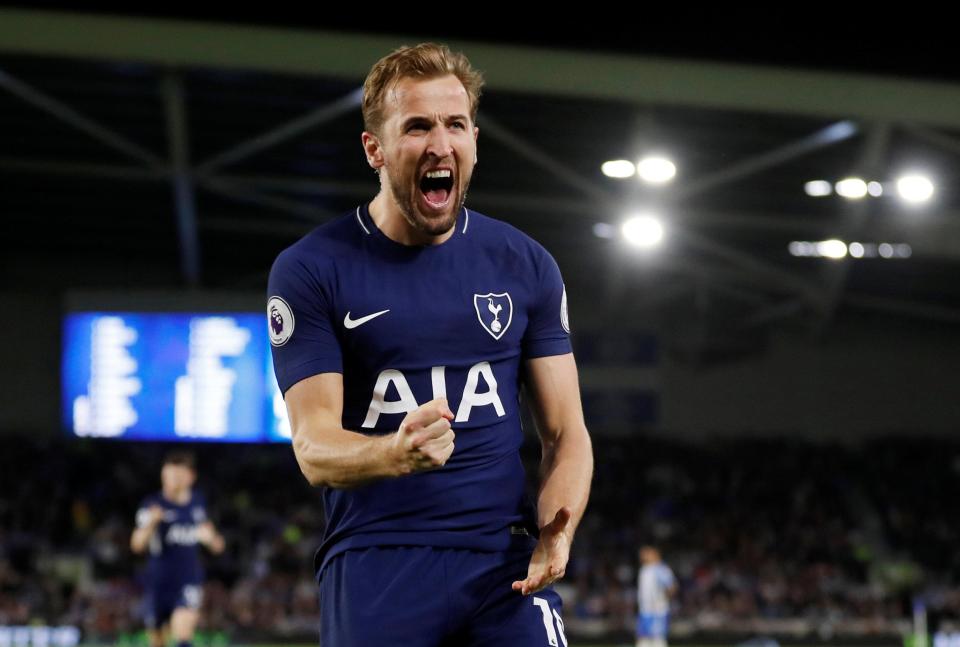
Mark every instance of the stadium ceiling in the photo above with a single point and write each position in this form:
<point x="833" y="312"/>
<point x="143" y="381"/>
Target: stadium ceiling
<point x="147" y="151"/>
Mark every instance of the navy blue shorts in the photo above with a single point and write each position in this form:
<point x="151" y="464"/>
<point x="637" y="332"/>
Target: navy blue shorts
<point x="160" y="603"/>
<point x="420" y="596"/>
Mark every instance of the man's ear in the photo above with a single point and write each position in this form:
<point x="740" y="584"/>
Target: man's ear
<point x="372" y="149"/>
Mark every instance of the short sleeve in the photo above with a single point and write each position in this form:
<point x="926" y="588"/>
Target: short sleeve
<point x="667" y="578"/>
<point x="299" y="321"/>
<point x="548" y="327"/>
<point x="143" y="512"/>
<point x="143" y="516"/>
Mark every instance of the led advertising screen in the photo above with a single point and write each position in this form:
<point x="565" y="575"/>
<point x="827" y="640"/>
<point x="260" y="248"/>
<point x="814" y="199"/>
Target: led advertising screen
<point x="171" y="376"/>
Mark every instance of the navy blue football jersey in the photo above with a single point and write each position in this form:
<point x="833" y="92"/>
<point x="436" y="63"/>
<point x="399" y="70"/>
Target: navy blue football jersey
<point x="173" y="548"/>
<point x="407" y="324"/>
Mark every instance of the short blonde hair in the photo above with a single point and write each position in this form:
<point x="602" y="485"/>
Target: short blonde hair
<point x="423" y="61"/>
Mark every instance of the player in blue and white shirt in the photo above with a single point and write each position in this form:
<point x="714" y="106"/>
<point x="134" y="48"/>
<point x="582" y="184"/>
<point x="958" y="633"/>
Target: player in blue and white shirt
<point x="170" y="524"/>
<point x="656" y="584"/>
<point x="406" y="323"/>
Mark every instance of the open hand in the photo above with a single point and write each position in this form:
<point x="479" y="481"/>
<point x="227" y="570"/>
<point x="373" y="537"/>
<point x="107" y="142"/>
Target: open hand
<point x="549" y="561"/>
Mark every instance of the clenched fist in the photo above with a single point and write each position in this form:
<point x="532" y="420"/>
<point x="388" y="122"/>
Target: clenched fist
<point x="425" y="439"/>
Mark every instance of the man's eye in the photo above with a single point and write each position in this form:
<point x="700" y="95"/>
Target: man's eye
<point x="459" y="124"/>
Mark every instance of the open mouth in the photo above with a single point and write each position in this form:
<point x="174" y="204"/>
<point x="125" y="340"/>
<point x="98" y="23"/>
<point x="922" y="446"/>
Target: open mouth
<point x="436" y="186"/>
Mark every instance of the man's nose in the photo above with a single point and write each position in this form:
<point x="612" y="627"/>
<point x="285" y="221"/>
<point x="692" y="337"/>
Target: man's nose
<point x="440" y="144"/>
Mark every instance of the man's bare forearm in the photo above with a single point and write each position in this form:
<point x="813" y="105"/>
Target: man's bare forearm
<point x="332" y="456"/>
<point x="141" y="537"/>
<point x="566" y="471"/>
<point x="340" y="458"/>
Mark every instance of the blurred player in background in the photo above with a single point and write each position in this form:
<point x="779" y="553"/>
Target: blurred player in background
<point x="655" y="586"/>
<point x="169" y="525"/>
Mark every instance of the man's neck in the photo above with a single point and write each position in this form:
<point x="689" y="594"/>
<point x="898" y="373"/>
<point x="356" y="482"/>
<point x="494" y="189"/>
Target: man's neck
<point x="178" y="496"/>
<point x="387" y="217"/>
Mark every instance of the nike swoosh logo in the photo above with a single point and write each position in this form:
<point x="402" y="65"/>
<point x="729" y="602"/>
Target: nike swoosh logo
<point x="349" y="323"/>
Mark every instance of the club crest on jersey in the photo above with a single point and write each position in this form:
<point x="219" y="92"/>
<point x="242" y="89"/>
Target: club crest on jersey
<point x="280" y="320"/>
<point x="495" y="312"/>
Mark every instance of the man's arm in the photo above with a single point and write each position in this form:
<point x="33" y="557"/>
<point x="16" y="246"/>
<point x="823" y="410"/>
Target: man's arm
<point x="209" y="537"/>
<point x="672" y="587"/>
<point x="147" y="521"/>
<point x="566" y="467"/>
<point x="332" y="456"/>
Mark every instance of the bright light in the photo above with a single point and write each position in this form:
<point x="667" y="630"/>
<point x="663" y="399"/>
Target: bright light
<point x="852" y="187"/>
<point x="875" y="189"/>
<point x="604" y="230"/>
<point x="835" y="249"/>
<point x="817" y="188"/>
<point x="618" y="168"/>
<point x="803" y="248"/>
<point x="643" y="231"/>
<point x="656" y="170"/>
<point x="915" y="188"/>
<point x="832" y="248"/>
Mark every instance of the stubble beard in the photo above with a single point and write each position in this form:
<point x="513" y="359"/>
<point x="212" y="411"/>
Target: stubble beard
<point x="432" y="226"/>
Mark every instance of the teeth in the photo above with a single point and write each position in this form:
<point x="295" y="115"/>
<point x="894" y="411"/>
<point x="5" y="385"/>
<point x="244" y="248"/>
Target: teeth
<point x="438" y="173"/>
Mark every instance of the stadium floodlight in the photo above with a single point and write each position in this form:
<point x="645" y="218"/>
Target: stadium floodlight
<point x="856" y="250"/>
<point x="852" y="188"/>
<point x="618" y="168"/>
<point x="832" y="248"/>
<point x="656" y="170"/>
<point x="643" y="230"/>
<point x="817" y="188"/>
<point x="885" y="250"/>
<point x="875" y="189"/>
<point x="604" y="230"/>
<point x="803" y="248"/>
<point x="915" y="188"/>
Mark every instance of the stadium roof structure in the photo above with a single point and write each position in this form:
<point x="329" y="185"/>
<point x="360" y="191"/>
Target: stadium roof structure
<point x="152" y="151"/>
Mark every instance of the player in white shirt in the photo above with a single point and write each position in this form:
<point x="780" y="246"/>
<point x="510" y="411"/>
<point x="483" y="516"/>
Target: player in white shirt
<point x="656" y="584"/>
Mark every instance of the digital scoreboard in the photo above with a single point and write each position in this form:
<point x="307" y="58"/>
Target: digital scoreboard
<point x="171" y="376"/>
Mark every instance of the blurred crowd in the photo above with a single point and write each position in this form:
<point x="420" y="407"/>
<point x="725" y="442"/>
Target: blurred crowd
<point x="762" y="534"/>
<point x="775" y="536"/>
